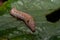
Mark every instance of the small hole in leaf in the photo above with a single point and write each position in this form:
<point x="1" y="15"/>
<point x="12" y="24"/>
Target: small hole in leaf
<point x="54" y="16"/>
<point x="2" y="1"/>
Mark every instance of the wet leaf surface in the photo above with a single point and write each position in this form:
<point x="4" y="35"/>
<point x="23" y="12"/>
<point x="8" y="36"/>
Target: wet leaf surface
<point x="14" y="29"/>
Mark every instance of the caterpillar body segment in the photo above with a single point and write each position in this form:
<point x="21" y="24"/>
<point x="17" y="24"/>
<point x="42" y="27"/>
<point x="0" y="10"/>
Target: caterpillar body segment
<point x="28" y="19"/>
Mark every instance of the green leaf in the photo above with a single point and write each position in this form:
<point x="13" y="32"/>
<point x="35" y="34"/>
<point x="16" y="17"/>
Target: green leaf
<point x="14" y="29"/>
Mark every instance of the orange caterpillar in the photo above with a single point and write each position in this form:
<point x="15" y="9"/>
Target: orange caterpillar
<point x="25" y="17"/>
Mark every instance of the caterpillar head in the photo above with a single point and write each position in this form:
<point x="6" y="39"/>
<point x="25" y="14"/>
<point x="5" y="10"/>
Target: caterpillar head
<point x="30" y="23"/>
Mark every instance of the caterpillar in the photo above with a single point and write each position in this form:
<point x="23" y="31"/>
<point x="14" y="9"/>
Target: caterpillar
<point x="28" y="19"/>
